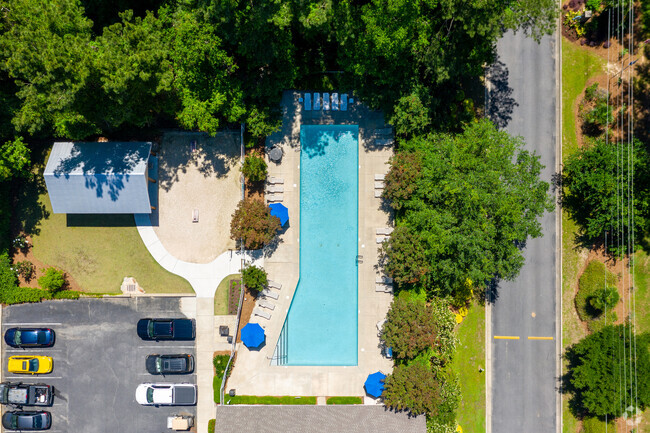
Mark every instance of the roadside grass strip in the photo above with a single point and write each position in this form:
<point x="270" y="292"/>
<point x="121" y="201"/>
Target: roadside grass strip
<point x="344" y="400"/>
<point x="253" y="399"/>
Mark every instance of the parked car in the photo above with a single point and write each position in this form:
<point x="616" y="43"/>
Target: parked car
<point x="27" y="420"/>
<point x="21" y="394"/>
<point x="29" y="337"/>
<point x="30" y="364"/>
<point x="166" y="329"/>
<point x="170" y="364"/>
<point x="166" y="394"/>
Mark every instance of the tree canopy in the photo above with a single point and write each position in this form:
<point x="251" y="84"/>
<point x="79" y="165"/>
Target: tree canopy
<point x="465" y="210"/>
<point x="599" y="377"/>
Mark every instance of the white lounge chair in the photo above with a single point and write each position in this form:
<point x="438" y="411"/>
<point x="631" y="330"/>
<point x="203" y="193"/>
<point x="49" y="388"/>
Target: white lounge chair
<point x="275" y="180"/>
<point x="384" y="131"/>
<point x="195" y="216"/>
<point x="261" y="313"/>
<point x="383" y="288"/>
<point x="381" y="239"/>
<point x="378" y="193"/>
<point x="274" y="197"/>
<point x="326" y="101"/>
<point x="379" y="185"/>
<point x="383" y="141"/>
<point x="275" y="188"/>
<point x="384" y="280"/>
<point x="380" y="326"/>
<point x="317" y="101"/>
<point x="335" y="101"/>
<point x="344" y="102"/>
<point x="270" y="294"/>
<point x="307" y="103"/>
<point x="381" y="177"/>
<point x="274" y="284"/>
<point x="385" y="231"/>
<point x="265" y="304"/>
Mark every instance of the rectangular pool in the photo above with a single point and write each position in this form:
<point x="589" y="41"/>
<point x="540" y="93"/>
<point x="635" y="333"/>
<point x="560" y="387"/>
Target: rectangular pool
<point x="321" y="326"/>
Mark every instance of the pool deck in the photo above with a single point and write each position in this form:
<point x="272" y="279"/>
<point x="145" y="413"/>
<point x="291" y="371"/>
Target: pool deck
<point x="253" y="374"/>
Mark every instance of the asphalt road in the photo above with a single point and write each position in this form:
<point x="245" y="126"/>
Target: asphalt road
<point x="524" y="375"/>
<point x="99" y="361"/>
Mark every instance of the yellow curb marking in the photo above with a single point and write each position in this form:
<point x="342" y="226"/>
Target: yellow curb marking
<point x="540" y="338"/>
<point x="505" y="337"/>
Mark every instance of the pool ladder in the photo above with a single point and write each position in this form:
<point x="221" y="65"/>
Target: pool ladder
<point x="359" y="259"/>
<point x="280" y="352"/>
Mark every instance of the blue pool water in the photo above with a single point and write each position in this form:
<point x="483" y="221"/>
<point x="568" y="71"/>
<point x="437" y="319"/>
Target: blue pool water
<point x="321" y="326"/>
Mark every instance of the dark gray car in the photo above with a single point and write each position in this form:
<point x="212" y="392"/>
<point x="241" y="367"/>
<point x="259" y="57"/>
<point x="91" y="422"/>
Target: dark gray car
<point x="170" y="364"/>
<point x="27" y="420"/>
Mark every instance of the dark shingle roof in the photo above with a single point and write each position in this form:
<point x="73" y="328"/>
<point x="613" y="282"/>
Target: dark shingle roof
<point x="316" y="419"/>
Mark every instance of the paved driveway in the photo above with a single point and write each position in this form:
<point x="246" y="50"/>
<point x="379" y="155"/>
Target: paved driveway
<point x="525" y="370"/>
<point x="99" y="361"/>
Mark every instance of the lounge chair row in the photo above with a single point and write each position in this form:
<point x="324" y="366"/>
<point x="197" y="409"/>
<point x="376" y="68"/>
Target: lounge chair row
<point x="263" y="303"/>
<point x="327" y="102"/>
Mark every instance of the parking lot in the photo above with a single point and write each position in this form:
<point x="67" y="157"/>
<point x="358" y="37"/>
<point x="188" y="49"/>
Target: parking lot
<point x="99" y="361"/>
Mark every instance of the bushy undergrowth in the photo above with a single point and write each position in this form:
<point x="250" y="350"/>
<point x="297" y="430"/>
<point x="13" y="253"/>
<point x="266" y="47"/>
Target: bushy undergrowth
<point x="591" y="282"/>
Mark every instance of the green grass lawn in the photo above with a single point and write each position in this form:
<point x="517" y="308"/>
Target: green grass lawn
<point x="470" y="355"/>
<point x="345" y="400"/>
<point x="221" y="295"/>
<point x="578" y="66"/>
<point x="98" y="251"/>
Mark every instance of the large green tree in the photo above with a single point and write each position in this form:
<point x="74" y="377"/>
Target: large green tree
<point x="477" y="199"/>
<point x="595" y="179"/>
<point x="601" y="380"/>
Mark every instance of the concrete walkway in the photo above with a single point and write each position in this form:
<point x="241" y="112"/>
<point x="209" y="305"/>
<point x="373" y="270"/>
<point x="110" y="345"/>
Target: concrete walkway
<point x="204" y="278"/>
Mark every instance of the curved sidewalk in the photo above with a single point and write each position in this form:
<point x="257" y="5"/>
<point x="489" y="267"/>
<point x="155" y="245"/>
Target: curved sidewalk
<point x="204" y="277"/>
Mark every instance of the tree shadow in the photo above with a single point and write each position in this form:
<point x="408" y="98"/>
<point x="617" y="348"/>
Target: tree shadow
<point x="492" y="290"/>
<point x="106" y="167"/>
<point x="500" y="103"/>
<point x="210" y="156"/>
<point x="28" y="210"/>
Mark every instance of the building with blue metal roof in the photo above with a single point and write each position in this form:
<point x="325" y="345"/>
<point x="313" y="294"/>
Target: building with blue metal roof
<point x="99" y="178"/>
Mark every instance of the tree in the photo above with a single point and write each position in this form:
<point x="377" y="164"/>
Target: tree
<point x="593" y="185"/>
<point x="14" y="159"/>
<point x="254" y="168"/>
<point x="599" y="378"/>
<point x="411" y="116"/>
<point x="253" y="223"/>
<point x="53" y="280"/>
<point x="412" y="326"/>
<point x="203" y="75"/>
<point x="476" y="200"/>
<point x="255" y="278"/>
<point x="46" y="50"/>
<point x="413" y="387"/>
<point x="606" y="297"/>
<point x="405" y="169"/>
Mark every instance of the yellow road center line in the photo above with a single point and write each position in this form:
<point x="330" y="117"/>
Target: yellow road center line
<point x="506" y="337"/>
<point x="540" y="338"/>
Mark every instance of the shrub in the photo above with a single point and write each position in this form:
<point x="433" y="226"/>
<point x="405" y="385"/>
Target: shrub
<point x="254" y="168"/>
<point x="255" y="279"/>
<point x="253" y="223"/>
<point x="25" y="269"/>
<point x="591" y="281"/>
<point x="595" y="425"/>
<point x="66" y="294"/>
<point x="219" y="362"/>
<point x="20" y="242"/>
<point x="53" y="280"/>
<point x="20" y="295"/>
<point x="8" y="277"/>
<point x="211" y="425"/>
<point x="592" y="92"/>
<point x="604" y="298"/>
<point x="411" y="116"/>
<point x="414" y="388"/>
<point x="400" y="184"/>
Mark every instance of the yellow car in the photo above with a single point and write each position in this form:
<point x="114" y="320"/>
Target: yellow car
<point x="30" y="364"/>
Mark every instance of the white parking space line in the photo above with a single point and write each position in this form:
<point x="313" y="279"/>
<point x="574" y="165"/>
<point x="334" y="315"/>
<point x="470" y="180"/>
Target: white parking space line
<point x="30" y="324"/>
<point x="32" y="377"/>
<point x="166" y="347"/>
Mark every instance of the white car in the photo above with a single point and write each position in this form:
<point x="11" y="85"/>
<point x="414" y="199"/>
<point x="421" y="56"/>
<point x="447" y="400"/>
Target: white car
<point x="166" y="394"/>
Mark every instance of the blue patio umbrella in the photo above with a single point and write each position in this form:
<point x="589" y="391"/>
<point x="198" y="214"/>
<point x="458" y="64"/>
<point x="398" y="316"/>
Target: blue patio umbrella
<point x="252" y="335"/>
<point x="279" y="210"/>
<point x="375" y="384"/>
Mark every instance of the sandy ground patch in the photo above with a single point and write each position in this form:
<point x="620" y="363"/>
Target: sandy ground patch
<point x="207" y="179"/>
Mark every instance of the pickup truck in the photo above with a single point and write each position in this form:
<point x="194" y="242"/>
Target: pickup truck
<point x="166" y="329"/>
<point x="20" y="394"/>
<point x="166" y="394"/>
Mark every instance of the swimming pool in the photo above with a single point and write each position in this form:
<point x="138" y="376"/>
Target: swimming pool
<point x="321" y="326"/>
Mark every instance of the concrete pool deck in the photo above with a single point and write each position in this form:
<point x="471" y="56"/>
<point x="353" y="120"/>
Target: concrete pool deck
<point x="253" y="373"/>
